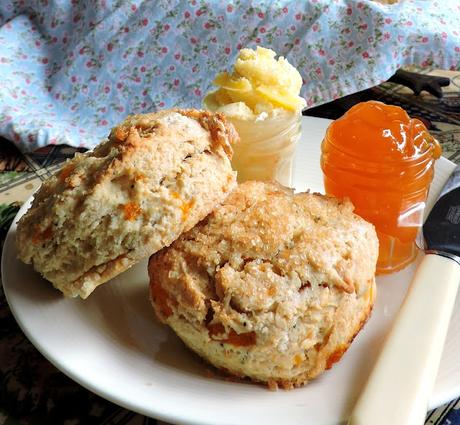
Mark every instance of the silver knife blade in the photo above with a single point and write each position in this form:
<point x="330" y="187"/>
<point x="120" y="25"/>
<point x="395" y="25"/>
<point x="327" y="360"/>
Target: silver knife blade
<point x="441" y="230"/>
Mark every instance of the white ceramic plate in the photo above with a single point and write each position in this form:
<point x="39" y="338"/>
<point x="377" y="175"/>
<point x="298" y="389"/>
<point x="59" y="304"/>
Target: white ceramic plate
<point x="113" y="345"/>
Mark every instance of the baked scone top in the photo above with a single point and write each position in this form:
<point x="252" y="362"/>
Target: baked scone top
<point x="272" y="285"/>
<point x="156" y="176"/>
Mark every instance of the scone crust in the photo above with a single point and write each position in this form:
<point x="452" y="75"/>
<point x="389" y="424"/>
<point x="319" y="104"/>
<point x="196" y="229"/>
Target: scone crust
<point x="272" y="285"/>
<point x="155" y="177"/>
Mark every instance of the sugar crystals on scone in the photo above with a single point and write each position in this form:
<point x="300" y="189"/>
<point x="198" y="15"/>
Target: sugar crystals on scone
<point x="155" y="177"/>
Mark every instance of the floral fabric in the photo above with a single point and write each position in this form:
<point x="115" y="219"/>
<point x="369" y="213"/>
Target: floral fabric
<point x="71" y="69"/>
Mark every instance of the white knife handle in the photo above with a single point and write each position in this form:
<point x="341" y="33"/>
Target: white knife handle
<point x="399" y="386"/>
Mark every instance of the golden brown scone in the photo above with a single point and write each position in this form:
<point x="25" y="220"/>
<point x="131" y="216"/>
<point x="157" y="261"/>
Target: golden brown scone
<point x="272" y="286"/>
<point x="155" y="177"/>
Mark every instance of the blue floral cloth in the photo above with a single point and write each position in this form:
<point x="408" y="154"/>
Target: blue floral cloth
<point x="71" y="69"/>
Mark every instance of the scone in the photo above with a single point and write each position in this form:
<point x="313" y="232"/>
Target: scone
<point x="155" y="177"/>
<point x="271" y="285"/>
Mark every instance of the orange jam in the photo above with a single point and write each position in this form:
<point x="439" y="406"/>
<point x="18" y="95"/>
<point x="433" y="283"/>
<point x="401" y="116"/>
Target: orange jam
<point x="382" y="160"/>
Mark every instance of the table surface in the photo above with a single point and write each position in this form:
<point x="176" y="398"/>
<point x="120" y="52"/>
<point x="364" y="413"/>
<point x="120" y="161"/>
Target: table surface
<point x="35" y="392"/>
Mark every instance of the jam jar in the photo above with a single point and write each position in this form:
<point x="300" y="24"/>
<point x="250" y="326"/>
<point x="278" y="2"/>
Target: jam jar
<point x="383" y="161"/>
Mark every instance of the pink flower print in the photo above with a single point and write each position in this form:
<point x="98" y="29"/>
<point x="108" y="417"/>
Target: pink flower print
<point x="298" y="16"/>
<point x="143" y="68"/>
<point x="44" y="61"/>
<point x="314" y="27"/>
<point x="133" y="7"/>
<point x="126" y="29"/>
<point x="321" y="52"/>
<point x="64" y="40"/>
<point x="331" y="61"/>
<point x="285" y="9"/>
<point x="3" y="60"/>
<point x="76" y="18"/>
<point x="103" y="109"/>
<point x="293" y="28"/>
<point x="177" y="56"/>
<point x="365" y="55"/>
<point x="176" y="82"/>
<point x="363" y="27"/>
<point x="261" y="15"/>
<point x="145" y="92"/>
<point x="409" y="23"/>
<point x="109" y="47"/>
<point x="162" y="104"/>
<point x="166" y="27"/>
<point x="351" y="44"/>
<point x="73" y="79"/>
<point x="239" y="46"/>
<point x="140" y="53"/>
<point x="297" y="41"/>
<point x="386" y="36"/>
<point x="424" y="39"/>
<point x="137" y="79"/>
<point x="388" y="21"/>
<point x="444" y="35"/>
<point x="197" y="92"/>
<point x="262" y="30"/>
<point x="349" y="11"/>
<point x="57" y="95"/>
<point x="143" y="104"/>
<point x="104" y="122"/>
<point x="318" y="71"/>
<point x="38" y="44"/>
<point x="227" y="50"/>
<point x="193" y="40"/>
<point x="120" y="108"/>
<point x="145" y="22"/>
<point x="186" y="14"/>
<point x="164" y="49"/>
<point x="457" y="49"/>
<point x="229" y="8"/>
<point x="119" y="86"/>
<point x="258" y="40"/>
<point x="54" y="39"/>
<point x="208" y="25"/>
<point x="172" y="67"/>
<point x="400" y="38"/>
<point x="198" y="12"/>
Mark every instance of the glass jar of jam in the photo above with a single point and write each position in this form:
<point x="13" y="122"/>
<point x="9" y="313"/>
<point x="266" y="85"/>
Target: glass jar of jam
<point x="383" y="161"/>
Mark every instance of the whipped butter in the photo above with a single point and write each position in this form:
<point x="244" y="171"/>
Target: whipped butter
<point x="260" y="96"/>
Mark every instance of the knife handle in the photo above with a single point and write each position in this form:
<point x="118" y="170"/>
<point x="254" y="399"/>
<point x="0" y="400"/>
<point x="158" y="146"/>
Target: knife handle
<point x="400" y="384"/>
